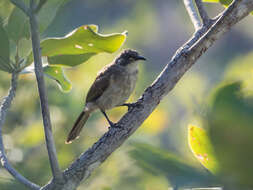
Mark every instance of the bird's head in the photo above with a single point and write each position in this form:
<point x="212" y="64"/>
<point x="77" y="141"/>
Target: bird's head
<point x="129" y="56"/>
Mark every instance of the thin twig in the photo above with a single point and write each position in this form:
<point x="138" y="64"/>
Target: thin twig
<point x="43" y="97"/>
<point x="202" y="12"/>
<point x="20" y="4"/>
<point x="193" y="13"/>
<point x="32" y="6"/>
<point x="57" y="174"/>
<point x="5" y="105"/>
<point x="40" y="5"/>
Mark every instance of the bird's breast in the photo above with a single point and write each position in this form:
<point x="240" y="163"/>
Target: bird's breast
<point x="120" y="88"/>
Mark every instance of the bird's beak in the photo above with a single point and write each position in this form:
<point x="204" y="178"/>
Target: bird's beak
<point x="141" y="58"/>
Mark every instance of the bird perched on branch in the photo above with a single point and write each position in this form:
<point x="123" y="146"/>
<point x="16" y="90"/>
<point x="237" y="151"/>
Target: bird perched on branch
<point x="112" y="87"/>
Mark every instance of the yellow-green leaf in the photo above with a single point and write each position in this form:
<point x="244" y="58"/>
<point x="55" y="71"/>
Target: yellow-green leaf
<point x="225" y="3"/>
<point x="5" y="9"/>
<point x="57" y="74"/>
<point x="83" y="40"/>
<point x="202" y="148"/>
<point x="69" y="60"/>
<point x="76" y="48"/>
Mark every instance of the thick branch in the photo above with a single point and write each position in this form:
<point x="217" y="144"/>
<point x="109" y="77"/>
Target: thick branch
<point x="193" y="13"/>
<point x="43" y="97"/>
<point x="5" y="105"/>
<point x="180" y="63"/>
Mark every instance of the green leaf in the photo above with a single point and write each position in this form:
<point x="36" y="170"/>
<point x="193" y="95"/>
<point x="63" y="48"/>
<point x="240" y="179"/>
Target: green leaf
<point x="80" y="45"/>
<point x="76" y="48"/>
<point x="4" y="51"/>
<point x="83" y="40"/>
<point x="24" y="47"/>
<point x="225" y="3"/>
<point x="69" y="60"/>
<point x="18" y="25"/>
<point x="57" y="74"/>
<point x="5" y="9"/>
<point x="202" y="148"/>
<point x="231" y="132"/>
<point x="177" y="171"/>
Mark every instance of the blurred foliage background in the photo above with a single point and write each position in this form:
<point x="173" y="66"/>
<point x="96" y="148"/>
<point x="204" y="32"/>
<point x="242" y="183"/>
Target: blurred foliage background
<point x="215" y="94"/>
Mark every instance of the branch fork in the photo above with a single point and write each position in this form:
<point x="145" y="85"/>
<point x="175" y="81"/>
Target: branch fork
<point x="197" y="14"/>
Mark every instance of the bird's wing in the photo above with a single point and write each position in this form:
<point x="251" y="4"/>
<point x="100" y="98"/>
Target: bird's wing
<point x="110" y="72"/>
<point x="98" y="87"/>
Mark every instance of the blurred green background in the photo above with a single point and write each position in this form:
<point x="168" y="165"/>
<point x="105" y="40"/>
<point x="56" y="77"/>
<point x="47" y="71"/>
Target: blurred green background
<point x="215" y="94"/>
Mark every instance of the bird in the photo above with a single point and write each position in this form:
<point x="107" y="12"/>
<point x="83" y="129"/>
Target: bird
<point x="111" y="88"/>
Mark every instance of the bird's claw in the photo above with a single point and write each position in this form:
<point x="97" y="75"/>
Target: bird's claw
<point x="133" y="105"/>
<point x="114" y="125"/>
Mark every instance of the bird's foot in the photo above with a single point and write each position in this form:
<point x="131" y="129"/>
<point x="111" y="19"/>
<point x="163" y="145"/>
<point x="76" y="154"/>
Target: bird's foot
<point x="114" y="125"/>
<point x="133" y="105"/>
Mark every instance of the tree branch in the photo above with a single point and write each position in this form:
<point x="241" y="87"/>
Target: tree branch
<point x="43" y="95"/>
<point x="193" y="13"/>
<point x="20" y="4"/>
<point x="40" y="5"/>
<point x="182" y="61"/>
<point x="5" y="105"/>
<point x="202" y="12"/>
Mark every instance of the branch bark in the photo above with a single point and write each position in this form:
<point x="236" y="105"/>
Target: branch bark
<point x="193" y="13"/>
<point x="202" y="12"/>
<point x="182" y="61"/>
<point x="5" y="105"/>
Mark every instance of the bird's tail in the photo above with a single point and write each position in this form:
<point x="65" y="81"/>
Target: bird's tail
<point x="76" y="129"/>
